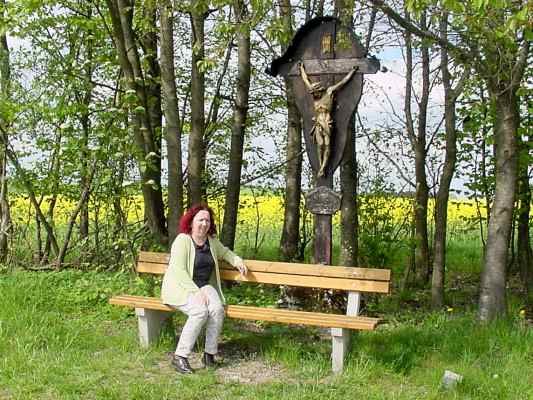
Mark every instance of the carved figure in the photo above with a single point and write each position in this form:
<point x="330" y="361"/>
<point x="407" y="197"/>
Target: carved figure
<point x="323" y="104"/>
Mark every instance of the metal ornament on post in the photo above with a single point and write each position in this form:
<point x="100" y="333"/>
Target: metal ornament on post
<point x="325" y="64"/>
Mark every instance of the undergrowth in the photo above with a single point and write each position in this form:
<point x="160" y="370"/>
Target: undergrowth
<point x="60" y="339"/>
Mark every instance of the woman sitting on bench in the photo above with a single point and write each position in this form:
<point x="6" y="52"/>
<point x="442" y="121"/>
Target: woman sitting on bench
<point x="192" y="284"/>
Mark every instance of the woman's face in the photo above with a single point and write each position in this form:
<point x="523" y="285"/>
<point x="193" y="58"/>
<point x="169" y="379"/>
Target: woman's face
<point x="201" y="224"/>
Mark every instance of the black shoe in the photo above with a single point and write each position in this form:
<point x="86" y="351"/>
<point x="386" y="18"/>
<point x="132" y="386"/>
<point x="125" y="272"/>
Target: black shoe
<point x="209" y="361"/>
<point x="181" y="364"/>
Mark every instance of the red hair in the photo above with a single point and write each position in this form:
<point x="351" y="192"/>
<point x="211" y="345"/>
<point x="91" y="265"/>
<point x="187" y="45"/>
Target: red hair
<point x="186" y="219"/>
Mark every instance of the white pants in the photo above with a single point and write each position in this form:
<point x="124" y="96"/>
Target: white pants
<point x="210" y="315"/>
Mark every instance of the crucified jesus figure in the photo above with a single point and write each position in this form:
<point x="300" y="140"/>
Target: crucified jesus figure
<point x="323" y="99"/>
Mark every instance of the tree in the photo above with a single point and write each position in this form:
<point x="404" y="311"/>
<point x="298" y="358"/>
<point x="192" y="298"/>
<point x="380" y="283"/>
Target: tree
<point x="5" y="82"/>
<point x="525" y="253"/>
<point x="145" y="105"/>
<point x="290" y="234"/>
<point x="493" y="39"/>
<point x="172" y="120"/>
<point x="240" y="115"/>
<point x="417" y="138"/>
<point x="441" y="202"/>
<point x="197" y="145"/>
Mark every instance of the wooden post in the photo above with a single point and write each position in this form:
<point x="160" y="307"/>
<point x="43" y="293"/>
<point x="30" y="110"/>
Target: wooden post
<point x="322" y="240"/>
<point x="322" y="228"/>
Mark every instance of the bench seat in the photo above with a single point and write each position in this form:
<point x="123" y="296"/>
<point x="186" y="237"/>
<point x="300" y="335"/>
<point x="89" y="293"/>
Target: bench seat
<point x="263" y="314"/>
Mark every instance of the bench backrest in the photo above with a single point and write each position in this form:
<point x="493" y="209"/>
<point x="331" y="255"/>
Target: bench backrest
<point x="283" y="273"/>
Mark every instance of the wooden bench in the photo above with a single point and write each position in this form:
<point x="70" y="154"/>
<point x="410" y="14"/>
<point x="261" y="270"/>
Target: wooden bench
<point x="151" y="312"/>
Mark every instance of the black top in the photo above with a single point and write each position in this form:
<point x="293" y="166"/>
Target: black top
<point x="203" y="264"/>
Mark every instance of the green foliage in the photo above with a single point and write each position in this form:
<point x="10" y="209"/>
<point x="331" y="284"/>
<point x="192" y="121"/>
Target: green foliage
<point x="249" y="294"/>
<point x="384" y="220"/>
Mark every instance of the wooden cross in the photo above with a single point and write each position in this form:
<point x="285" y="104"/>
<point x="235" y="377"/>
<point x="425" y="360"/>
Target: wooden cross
<point x="324" y="65"/>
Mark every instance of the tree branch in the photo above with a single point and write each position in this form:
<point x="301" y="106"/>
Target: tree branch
<point x="518" y="70"/>
<point x="425" y="34"/>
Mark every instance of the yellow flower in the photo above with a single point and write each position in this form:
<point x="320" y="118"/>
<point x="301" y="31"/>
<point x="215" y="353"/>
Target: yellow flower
<point x="449" y="309"/>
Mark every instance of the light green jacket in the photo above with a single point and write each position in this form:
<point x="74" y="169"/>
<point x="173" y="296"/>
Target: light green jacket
<point x="177" y="282"/>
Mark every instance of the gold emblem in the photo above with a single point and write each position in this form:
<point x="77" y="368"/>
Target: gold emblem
<point x="327" y="43"/>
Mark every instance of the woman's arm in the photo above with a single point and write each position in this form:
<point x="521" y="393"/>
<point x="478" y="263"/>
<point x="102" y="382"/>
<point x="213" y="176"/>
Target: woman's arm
<point x="226" y="254"/>
<point x="179" y="262"/>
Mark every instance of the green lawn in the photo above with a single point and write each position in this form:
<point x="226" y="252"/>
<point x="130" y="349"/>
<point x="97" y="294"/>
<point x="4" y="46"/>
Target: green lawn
<point x="59" y="339"/>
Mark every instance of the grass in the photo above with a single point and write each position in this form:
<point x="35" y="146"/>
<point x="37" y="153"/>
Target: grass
<point x="59" y="339"/>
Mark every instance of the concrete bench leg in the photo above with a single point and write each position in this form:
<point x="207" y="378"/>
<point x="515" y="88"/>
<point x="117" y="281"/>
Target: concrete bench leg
<point x="340" y="344"/>
<point x="150" y="322"/>
<point x="340" y="338"/>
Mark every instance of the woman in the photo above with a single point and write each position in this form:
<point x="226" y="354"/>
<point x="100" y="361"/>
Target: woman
<point x="192" y="284"/>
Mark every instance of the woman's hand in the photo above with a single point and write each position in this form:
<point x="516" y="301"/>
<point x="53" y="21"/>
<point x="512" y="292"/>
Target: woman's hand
<point x="242" y="268"/>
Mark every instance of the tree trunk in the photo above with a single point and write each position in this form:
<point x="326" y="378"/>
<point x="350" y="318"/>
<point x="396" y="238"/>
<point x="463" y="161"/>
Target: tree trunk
<point x="5" y="80"/>
<point x="144" y="115"/>
<point x="410" y="268"/>
<point x="29" y="189"/>
<point x="5" y="215"/>
<point x="86" y="128"/>
<point x="172" y="120"/>
<point x="348" y="169"/>
<point x="525" y="254"/>
<point x="83" y="200"/>
<point x="84" y="212"/>
<point x="348" y="177"/>
<point x="240" y="113"/>
<point x="448" y="170"/>
<point x="418" y="142"/>
<point x="492" y="300"/>
<point x="152" y="88"/>
<point x="290" y="234"/>
<point x="196" y="156"/>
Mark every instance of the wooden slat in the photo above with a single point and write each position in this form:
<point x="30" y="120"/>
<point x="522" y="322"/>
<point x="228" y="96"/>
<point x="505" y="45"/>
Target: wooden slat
<point x="293" y="313"/>
<point x="307" y="281"/>
<point x="286" y="279"/>
<point x="300" y="317"/>
<point x="151" y="303"/>
<point x="147" y="267"/>
<point x="153" y="257"/>
<point x="160" y="260"/>
<point x="262" y="314"/>
<point x="314" y="270"/>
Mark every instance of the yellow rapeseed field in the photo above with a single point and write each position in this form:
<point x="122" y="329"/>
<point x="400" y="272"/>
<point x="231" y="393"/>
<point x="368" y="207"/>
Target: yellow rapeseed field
<point x="263" y="211"/>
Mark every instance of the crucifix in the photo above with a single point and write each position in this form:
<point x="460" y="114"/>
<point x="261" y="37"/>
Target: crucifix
<point x="325" y="64"/>
<point x="323" y="99"/>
